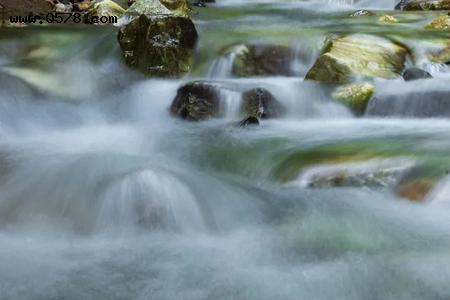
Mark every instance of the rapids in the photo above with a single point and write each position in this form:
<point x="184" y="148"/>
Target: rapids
<point x="104" y="195"/>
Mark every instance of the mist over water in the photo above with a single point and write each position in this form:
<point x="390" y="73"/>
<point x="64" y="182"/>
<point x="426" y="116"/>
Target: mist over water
<point x="105" y="195"/>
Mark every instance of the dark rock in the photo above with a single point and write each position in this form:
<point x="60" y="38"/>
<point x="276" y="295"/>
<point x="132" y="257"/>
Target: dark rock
<point x="158" y="42"/>
<point x="250" y="121"/>
<point x="425" y="104"/>
<point x="196" y="101"/>
<point x="415" y="74"/>
<point x="260" y="103"/>
<point x="261" y="60"/>
<point x="160" y="46"/>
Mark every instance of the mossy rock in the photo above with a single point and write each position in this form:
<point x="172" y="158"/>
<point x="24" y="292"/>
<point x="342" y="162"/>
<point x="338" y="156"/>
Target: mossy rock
<point x="355" y="96"/>
<point x="260" y="60"/>
<point x="440" y="23"/>
<point x="423" y="5"/>
<point x="158" y="42"/>
<point x="358" y="55"/>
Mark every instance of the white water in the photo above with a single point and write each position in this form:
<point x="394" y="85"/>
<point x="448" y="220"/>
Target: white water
<point x="104" y="195"/>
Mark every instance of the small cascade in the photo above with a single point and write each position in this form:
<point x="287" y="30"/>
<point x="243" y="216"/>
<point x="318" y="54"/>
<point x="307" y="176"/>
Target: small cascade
<point x="151" y="199"/>
<point x="230" y="102"/>
<point x="420" y="98"/>
<point x="222" y="67"/>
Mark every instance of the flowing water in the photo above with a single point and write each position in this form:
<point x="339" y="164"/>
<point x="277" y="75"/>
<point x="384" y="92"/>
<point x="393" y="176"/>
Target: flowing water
<point x="104" y="195"/>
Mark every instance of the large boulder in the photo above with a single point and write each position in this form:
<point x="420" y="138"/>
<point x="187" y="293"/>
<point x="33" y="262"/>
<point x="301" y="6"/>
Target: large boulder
<point x="261" y="60"/>
<point x="260" y="101"/>
<point x="358" y="55"/>
<point x="423" y="5"/>
<point x="157" y="41"/>
<point x="197" y="101"/>
<point x="419" y="104"/>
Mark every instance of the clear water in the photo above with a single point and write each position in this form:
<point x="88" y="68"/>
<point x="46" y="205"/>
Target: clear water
<point x="104" y="195"/>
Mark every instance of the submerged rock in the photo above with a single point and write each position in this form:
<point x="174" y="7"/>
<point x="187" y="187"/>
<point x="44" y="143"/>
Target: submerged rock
<point x="261" y="60"/>
<point x="362" y="13"/>
<point x="416" y="190"/>
<point x="260" y="103"/>
<point x="355" y="96"/>
<point x="387" y="19"/>
<point x="419" y="104"/>
<point x="157" y="42"/>
<point x="411" y="74"/>
<point x="358" y="55"/>
<point x="372" y="173"/>
<point x="196" y="101"/>
<point x="423" y="5"/>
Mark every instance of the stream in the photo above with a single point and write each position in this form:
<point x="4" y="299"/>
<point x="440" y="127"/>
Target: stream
<point x="105" y="195"/>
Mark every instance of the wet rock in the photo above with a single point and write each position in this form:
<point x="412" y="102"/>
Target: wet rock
<point x="62" y="8"/>
<point x="415" y="74"/>
<point x="260" y="103"/>
<point x="416" y="191"/>
<point x="362" y="13"/>
<point x="355" y="96"/>
<point x="441" y="56"/>
<point x="418" y="104"/>
<point x="373" y="173"/>
<point x="358" y="55"/>
<point x="440" y="23"/>
<point x="423" y="5"/>
<point x="157" y="42"/>
<point x="261" y="60"/>
<point x="196" y="101"/>
<point x="250" y="121"/>
<point x="104" y="8"/>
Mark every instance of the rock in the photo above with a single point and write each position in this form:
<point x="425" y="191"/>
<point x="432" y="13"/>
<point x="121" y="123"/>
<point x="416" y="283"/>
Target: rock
<point x="250" y="121"/>
<point x="261" y="60"/>
<point x="423" y="5"/>
<point x="373" y="173"/>
<point x="416" y="191"/>
<point x="441" y="56"/>
<point x="196" y="101"/>
<point x="104" y="8"/>
<point x="415" y="74"/>
<point x="362" y="13"/>
<point x="418" y="104"/>
<point x="24" y="7"/>
<point x="355" y="96"/>
<point x="387" y="19"/>
<point x="260" y="103"/>
<point x="358" y="55"/>
<point x="179" y="7"/>
<point x="440" y="23"/>
<point x="157" y="41"/>
<point x="61" y="8"/>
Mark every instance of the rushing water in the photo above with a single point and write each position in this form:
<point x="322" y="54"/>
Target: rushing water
<point x="104" y="195"/>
